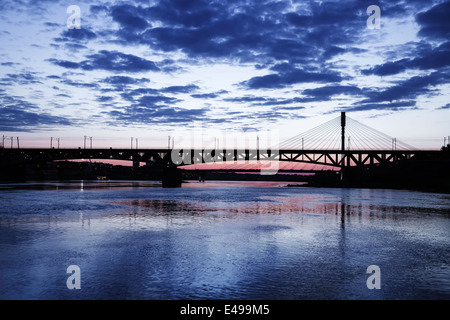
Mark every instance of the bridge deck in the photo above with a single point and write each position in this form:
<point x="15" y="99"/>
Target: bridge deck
<point x="336" y="158"/>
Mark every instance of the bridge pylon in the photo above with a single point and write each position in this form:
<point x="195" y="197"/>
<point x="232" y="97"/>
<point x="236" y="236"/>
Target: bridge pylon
<point x="342" y="144"/>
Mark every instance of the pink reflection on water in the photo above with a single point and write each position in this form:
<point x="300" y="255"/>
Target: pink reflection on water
<point x="237" y="184"/>
<point x="268" y="205"/>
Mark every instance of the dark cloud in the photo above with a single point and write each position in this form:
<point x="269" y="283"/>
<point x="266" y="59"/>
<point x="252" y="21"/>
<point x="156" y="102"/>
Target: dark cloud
<point x="249" y="31"/>
<point x="435" y="23"/>
<point x="19" y="115"/>
<point x="266" y="101"/>
<point x="271" y="116"/>
<point x="181" y="89"/>
<point x="22" y="78"/>
<point x="104" y="99"/>
<point x="52" y="24"/>
<point x="76" y="34"/>
<point x="155" y="99"/>
<point x="22" y="121"/>
<point x="74" y="47"/>
<point x="245" y="99"/>
<point x="196" y="13"/>
<point x="282" y="102"/>
<point x="447" y="106"/>
<point x="157" y="115"/>
<point x="144" y="96"/>
<point x="287" y="77"/>
<point x="205" y="95"/>
<point x="291" y="108"/>
<point x="388" y="68"/>
<point x="436" y="59"/>
<point x="63" y="95"/>
<point x="113" y="61"/>
<point x="129" y="17"/>
<point x="210" y="95"/>
<point x="80" y="84"/>
<point x="65" y="64"/>
<point x="431" y="58"/>
<point x="169" y="66"/>
<point x="124" y="80"/>
<point x="325" y="93"/>
<point x="8" y="64"/>
<point x="95" y="9"/>
<point x="408" y="89"/>
<point x="134" y="94"/>
<point x="274" y="115"/>
<point x="391" y="106"/>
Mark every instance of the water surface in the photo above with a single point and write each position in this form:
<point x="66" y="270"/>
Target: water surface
<point x="221" y="240"/>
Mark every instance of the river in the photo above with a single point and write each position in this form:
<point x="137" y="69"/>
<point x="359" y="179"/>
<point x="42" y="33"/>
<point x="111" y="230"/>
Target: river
<point x="221" y="240"/>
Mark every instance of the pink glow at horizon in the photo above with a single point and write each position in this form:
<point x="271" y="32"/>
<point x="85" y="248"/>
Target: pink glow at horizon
<point x="280" y="166"/>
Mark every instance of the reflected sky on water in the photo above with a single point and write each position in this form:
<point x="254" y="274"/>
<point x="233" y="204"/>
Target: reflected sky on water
<point x="221" y="240"/>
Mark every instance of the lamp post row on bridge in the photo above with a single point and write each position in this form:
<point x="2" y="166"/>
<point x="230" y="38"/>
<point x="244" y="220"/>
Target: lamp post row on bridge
<point x="134" y="139"/>
<point x="170" y="139"/>
<point x="85" y="138"/>
<point x="51" y="142"/>
<point x="171" y="143"/>
<point x="446" y="141"/>
<point x="12" y="141"/>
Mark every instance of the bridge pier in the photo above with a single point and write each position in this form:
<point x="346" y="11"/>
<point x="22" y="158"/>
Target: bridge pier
<point x="171" y="176"/>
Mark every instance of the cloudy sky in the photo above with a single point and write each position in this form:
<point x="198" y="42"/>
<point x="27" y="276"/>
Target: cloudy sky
<point x="149" y="69"/>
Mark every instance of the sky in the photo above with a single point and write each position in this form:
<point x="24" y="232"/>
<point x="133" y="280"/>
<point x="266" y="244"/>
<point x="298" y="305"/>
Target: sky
<point x="134" y="73"/>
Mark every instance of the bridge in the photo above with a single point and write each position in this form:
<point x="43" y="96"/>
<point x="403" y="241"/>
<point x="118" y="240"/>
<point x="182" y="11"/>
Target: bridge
<point x="337" y="144"/>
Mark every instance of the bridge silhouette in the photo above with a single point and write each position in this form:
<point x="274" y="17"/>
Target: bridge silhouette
<point x="337" y="144"/>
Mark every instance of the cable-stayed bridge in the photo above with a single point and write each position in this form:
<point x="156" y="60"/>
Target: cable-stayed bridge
<point x="336" y="144"/>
